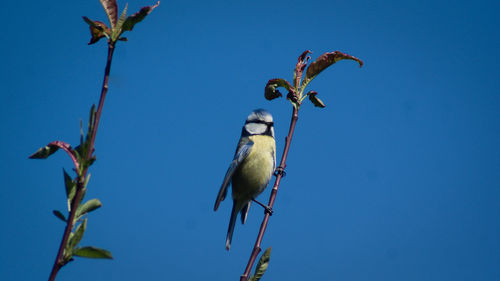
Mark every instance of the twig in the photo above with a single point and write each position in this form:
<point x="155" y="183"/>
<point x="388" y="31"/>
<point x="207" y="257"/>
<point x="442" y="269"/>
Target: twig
<point x="81" y="178"/>
<point x="67" y="148"/>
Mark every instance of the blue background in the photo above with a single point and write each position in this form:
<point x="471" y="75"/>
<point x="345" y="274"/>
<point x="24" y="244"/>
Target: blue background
<point x="398" y="178"/>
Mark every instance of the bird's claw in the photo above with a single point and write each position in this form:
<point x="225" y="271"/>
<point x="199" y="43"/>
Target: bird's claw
<point x="267" y="209"/>
<point x="280" y="171"/>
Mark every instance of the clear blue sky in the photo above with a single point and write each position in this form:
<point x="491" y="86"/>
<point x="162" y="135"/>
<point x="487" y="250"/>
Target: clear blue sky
<point x="398" y="178"/>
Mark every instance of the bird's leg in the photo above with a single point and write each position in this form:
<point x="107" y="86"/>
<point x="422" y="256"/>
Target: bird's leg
<point x="267" y="208"/>
<point x="280" y="171"/>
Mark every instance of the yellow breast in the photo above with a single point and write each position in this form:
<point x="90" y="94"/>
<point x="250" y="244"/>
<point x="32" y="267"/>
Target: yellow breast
<point x="253" y="175"/>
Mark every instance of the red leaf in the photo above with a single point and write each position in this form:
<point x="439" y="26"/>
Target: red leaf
<point x="111" y="9"/>
<point x="324" y="61"/>
<point x="301" y="65"/>
<point x="137" y="17"/>
<point x="98" y="30"/>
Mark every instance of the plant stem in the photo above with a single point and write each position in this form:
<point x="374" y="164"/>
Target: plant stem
<point x="81" y="179"/>
<point x="272" y="198"/>
<point x="104" y="91"/>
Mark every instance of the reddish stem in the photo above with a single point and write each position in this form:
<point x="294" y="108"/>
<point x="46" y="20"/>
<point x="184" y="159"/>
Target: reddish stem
<point x="67" y="148"/>
<point x="272" y="198"/>
<point x="81" y="179"/>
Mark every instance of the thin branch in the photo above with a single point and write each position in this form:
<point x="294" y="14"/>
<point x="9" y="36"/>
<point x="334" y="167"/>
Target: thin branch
<point x="81" y="179"/>
<point x="67" y="148"/>
<point x="272" y="198"/>
<point x="104" y="91"/>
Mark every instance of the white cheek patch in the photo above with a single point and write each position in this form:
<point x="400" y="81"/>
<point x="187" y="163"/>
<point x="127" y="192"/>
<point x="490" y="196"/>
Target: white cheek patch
<point x="255" y="128"/>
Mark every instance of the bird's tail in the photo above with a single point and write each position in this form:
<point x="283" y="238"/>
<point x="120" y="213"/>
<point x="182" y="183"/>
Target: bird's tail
<point x="232" y="222"/>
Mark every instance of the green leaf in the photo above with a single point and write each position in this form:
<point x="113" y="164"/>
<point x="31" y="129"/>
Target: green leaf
<point x="111" y="9"/>
<point x="80" y="152"/>
<point x="87" y="207"/>
<point x="123" y="16"/>
<point x="262" y="265"/>
<point x="92" y="252"/>
<point x="84" y="191"/>
<point x="117" y="31"/>
<point x="67" y="250"/>
<point x="90" y="161"/>
<point x="90" y="126"/>
<point x="82" y="149"/>
<point x="271" y="92"/>
<point x="77" y="236"/>
<point x="132" y="20"/>
<point x="81" y="132"/>
<point x="44" y="152"/>
<point x="323" y="62"/>
<point x="98" y="30"/>
<point x="86" y="181"/>
<point x="70" y="188"/>
<point x="59" y="215"/>
<point x="315" y="100"/>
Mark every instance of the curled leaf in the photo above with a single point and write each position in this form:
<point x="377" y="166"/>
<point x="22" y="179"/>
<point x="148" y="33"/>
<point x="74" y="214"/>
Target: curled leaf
<point x="111" y="9"/>
<point x="324" y="61"/>
<point x="92" y="252"/>
<point x="98" y="30"/>
<point x="132" y="20"/>
<point x="300" y="66"/>
<point x="271" y="92"/>
<point x="315" y="100"/>
<point x="262" y="265"/>
<point x="303" y="59"/>
<point x="52" y="147"/>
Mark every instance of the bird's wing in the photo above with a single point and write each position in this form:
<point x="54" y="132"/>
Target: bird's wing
<point x="241" y="154"/>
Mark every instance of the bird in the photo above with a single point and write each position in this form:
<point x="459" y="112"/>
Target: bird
<point x="251" y="169"/>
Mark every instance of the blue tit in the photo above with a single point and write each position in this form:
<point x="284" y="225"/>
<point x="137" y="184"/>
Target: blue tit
<point x="252" y="166"/>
